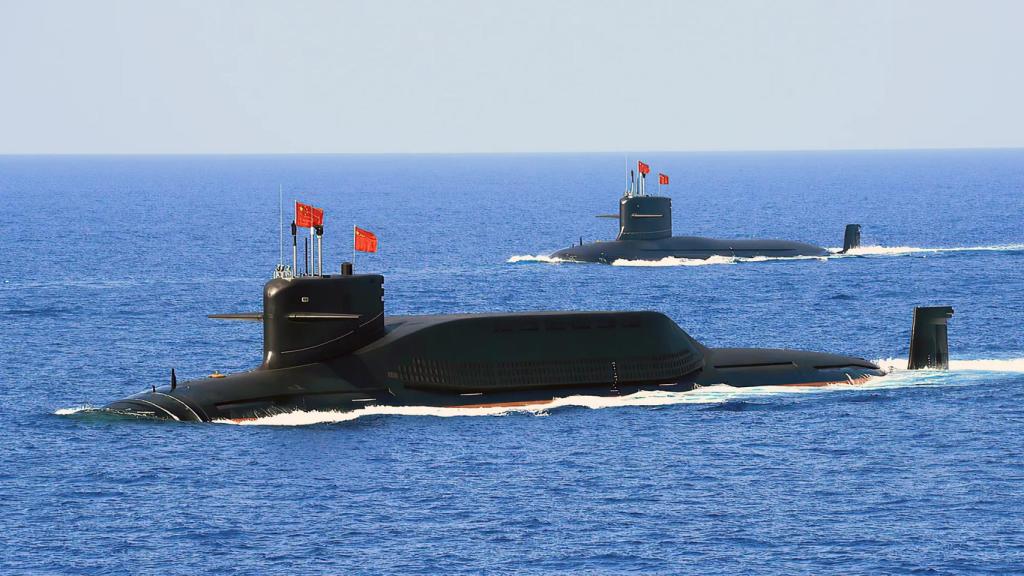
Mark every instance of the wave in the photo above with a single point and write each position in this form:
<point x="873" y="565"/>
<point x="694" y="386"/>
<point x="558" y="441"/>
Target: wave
<point x="537" y="258"/>
<point x="670" y="261"/>
<point x="961" y="372"/>
<point x="710" y="261"/>
<point x="834" y="253"/>
<point x="903" y="250"/>
<point x="645" y="398"/>
<point x="74" y="410"/>
<point x="1005" y="365"/>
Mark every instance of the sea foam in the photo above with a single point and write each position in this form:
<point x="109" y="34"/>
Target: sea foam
<point x="834" y="253"/>
<point x="961" y="372"/>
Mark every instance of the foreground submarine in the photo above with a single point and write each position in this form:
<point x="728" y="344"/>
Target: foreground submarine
<point x="328" y="346"/>
<point x="645" y="233"/>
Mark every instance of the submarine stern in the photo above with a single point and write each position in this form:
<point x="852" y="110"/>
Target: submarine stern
<point x="745" y="367"/>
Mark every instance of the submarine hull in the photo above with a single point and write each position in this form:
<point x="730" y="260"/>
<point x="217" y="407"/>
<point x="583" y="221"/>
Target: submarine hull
<point x="686" y="247"/>
<point x="491" y="360"/>
<point x="645" y="233"/>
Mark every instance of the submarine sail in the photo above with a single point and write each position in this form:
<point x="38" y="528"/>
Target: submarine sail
<point x="645" y="233"/>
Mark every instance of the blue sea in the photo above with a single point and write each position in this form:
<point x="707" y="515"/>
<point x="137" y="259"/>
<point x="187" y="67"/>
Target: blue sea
<point x="109" y="266"/>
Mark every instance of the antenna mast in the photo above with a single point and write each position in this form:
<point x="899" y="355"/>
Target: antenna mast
<point x="625" y="173"/>
<point x="320" y="250"/>
<point x="280" y="213"/>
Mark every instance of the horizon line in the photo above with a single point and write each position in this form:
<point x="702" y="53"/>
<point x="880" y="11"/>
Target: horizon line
<point x="532" y="152"/>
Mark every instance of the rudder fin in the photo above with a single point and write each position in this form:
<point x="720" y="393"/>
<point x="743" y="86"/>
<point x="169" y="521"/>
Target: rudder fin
<point x="851" y="239"/>
<point x="929" y="344"/>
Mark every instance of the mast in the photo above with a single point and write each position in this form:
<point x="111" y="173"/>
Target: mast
<point x="295" y="251"/>
<point x="626" y="174"/>
<point x="320" y="250"/>
<point x="280" y="213"/>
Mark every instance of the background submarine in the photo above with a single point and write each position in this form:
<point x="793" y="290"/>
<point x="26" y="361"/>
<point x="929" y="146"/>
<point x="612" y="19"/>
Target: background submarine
<point x="327" y="345"/>
<point x="645" y="233"/>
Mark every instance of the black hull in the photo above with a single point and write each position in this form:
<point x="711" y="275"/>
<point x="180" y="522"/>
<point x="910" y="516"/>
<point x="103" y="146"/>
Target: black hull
<point x="645" y="233"/>
<point x="686" y="247"/>
<point x="328" y="347"/>
<point x="377" y="375"/>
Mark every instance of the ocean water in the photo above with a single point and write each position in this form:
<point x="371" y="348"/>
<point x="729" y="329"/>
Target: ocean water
<point x="109" y="265"/>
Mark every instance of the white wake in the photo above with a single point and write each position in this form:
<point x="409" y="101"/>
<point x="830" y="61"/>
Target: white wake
<point x="536" y="258"/>
<point x="74" y="410"/>
<point x="710" y="261"/>
<point x="961" y="372"/>
<point x="904" y="250"/>
<point x="981" y="365"/>
<point x="646" y="398"/>
<point x="834" y="253"/>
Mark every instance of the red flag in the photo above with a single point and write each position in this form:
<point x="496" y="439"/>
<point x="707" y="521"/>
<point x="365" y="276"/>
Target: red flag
<point x="366" y="241"/>
<point x="307" y="216"/>
<point x="642" y="168"/>
<point x="303" y="215"/>
<point x="662" y="178"/>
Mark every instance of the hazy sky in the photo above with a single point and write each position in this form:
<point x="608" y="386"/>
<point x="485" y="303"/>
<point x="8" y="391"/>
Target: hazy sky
<point x="439" y="76"/>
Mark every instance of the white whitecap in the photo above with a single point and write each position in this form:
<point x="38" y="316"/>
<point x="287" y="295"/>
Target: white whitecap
<point x="710" y="261"/>
<point x="671" y="261"/>
<point x="536" y="258"/>
<point x="979" y="365"/>
<point x="903" y="250"/>
<point x="73" y="410"/>
<point x="959" y="374"/>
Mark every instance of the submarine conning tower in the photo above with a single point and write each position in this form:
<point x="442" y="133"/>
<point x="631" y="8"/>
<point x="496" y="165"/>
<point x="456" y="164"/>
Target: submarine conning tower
<point x="645" y="217"/>
<point x="314" y="318"/>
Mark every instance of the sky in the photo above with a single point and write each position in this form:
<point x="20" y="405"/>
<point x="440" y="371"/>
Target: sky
<point x="343" y="76"/>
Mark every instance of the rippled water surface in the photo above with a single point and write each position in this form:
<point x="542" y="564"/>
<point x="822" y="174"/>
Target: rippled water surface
<point x="110" y="264"/>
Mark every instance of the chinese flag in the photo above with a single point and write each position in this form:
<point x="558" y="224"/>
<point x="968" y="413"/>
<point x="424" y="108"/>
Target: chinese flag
<point x="304" y="215"/>
<point x="318" y="216"/>
<point x="643" y="168"/>
<point x="366" y="241"/>
<point x="662" y="178"/>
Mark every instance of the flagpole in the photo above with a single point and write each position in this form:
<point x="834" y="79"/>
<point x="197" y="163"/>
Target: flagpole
<point x="353" y="246"/>
<point x="295" y="246"/>
<point x="320" y="250"/>
<point x="280" y="213"/>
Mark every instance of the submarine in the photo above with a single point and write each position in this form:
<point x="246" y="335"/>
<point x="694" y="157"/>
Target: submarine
<point x="329" y="346"/>
<point x="645" y="233"/>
